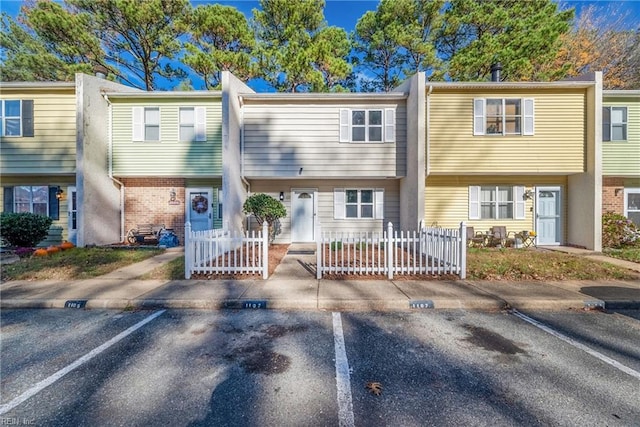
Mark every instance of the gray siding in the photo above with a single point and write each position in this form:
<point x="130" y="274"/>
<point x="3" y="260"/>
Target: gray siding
<point x="303" y="140"/>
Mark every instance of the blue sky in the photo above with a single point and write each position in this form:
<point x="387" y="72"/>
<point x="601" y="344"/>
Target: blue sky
<point x="345" y="13"/>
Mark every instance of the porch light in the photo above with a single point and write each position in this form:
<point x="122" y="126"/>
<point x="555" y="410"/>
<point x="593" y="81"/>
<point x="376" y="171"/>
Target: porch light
<point x="281" y="195"/>
<point x="59" y="193"/>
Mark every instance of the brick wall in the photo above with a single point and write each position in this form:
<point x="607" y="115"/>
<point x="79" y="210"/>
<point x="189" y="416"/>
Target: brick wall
<point x="611" y="202"/>
<point x="147" y="200"/>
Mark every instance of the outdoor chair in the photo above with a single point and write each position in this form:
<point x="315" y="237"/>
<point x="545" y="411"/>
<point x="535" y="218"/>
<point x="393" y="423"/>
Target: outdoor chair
<point x="475" y="239"/>
<point x="498" y="236"/>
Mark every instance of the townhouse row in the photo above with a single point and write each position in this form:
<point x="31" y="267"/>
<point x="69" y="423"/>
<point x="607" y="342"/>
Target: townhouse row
<point x="100" y="157"/>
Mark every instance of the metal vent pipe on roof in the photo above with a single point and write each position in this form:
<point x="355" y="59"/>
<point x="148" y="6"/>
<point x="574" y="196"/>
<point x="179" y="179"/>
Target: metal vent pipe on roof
<point x="495" y="72"/>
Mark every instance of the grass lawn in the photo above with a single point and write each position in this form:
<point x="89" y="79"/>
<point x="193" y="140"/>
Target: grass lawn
<point x="76" y="263"/>
<point x="482" y="264"/>
<point x="538" y="264"/>
<point x="629" y="254"/>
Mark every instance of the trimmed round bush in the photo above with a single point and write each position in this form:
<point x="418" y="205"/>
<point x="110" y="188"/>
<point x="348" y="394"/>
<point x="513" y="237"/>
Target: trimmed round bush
<point x="24" y="229"/>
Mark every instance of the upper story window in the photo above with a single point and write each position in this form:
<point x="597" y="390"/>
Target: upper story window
<point x="496" y="202"/>
<point x="16" y="117"/>
<point x="193" y="124"/>
<point x="614" y="123"/>
<point x="146" y="124"/>
<point x="503" y="116"/>
<point x="367" y="125"/>
<point x="356" y="203"/>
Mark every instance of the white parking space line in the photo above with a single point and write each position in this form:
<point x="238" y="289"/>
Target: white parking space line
<point x="578" y="345"/>
<point x="343" y="377"/>
<point x="64" y="371"/>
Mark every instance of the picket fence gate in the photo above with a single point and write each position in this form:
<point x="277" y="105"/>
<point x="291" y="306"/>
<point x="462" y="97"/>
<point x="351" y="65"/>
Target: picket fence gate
<point x="222" y="251"/>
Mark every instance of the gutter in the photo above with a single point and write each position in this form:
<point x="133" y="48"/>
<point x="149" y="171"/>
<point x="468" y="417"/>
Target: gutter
<point x="110" y="172"/>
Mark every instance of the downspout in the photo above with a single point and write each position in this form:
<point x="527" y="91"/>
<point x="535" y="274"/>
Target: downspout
<point x="427" y="125"/>
<point x="119" y="183"/>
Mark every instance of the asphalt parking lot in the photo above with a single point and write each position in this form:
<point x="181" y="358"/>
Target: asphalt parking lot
<point x="264" y="367"/>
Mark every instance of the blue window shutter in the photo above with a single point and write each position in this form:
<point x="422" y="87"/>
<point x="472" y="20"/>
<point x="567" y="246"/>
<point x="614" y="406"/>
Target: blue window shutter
<point x="54" y="203"/>
<point x="8" y="199"/>
<point x="27" y="117"/>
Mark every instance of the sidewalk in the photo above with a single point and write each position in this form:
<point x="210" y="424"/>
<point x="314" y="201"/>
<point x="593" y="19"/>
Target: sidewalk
<point x="293" y="287"/>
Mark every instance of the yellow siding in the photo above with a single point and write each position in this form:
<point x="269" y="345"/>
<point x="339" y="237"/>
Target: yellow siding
<point x="557" y="147"/>
<point x="447" y="200"/>
<point x="169" y="156"/>
<point x="52" y="149"/>
<point x="622" y="158"/>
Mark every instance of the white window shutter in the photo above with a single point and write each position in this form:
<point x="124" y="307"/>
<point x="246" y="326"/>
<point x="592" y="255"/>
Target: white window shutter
<point x="474" y="202"/>
<point x="518" y="194"/>
<point x="528" y="111"/>
<point x="390" y="125"/>
<point x="344" y="125"/>
<point x="478" y="116"/>
<point x="338" y="203"/>
<point x="379" y="201"/>
<point x="200" y="124"/>
<point x="137" y="114"/>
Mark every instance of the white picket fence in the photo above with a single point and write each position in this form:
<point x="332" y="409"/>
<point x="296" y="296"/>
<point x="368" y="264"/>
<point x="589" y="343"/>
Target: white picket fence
<point x="431" y="250"/>
<point x="221" y="251"/>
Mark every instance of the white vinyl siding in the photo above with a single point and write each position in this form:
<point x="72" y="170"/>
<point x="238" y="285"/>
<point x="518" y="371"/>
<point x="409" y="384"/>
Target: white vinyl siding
<point x="503" y="116"/>
<point x="496" y="202"/>
<point x="304" y="141"/>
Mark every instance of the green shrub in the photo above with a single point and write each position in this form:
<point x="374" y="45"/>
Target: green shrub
<point x="336" y="245"/>
<point x="265" y="208"/>
<point x="24" y="229"/>
<point x="618" y="231"/>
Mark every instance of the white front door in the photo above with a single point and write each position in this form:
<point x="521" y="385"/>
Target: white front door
<point x="303" y="208"/>
<point x="548" y="215"/>
<point x="72" y="212"/>
<point x="199" y="208"/>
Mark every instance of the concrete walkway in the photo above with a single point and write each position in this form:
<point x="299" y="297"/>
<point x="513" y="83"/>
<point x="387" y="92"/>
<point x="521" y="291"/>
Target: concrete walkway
<point x="293" y="286"/>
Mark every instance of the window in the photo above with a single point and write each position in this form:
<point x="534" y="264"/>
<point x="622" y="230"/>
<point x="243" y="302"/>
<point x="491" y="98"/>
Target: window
<point x="363" y="125"/>
<point x="146" y="124"/>
<point x="358" y="203"/>
<point x="614" y="123"/>
<point x="496" y="202"/>
<point x="192" y="124"/>
<point x="503" y="116"/>
<point x="632" y="204"/>
<point x="16" y="118"/>
<point x="37" y="199"/>
<point x="220" y="198"/>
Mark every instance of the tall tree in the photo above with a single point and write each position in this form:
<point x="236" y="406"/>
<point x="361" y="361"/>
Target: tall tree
<point x="521" y="35"/>
<point x="25" y="57"/>
<point x="395" y="41"/>
<point x="296" y="51"/>
<point x="134" y="41"/>
<point x="600" y="42"/>
<point x="220" y="40"/>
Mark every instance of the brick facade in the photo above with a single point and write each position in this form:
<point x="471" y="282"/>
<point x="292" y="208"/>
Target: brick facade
<point x="148" y="200"/>
<point x="610" y="201"/>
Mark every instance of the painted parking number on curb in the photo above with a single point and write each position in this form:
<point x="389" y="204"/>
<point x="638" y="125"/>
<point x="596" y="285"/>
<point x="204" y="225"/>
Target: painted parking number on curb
<point x="81" y="303"/>
<point x="421" y="304"/>
<point x="254" y="304"/>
